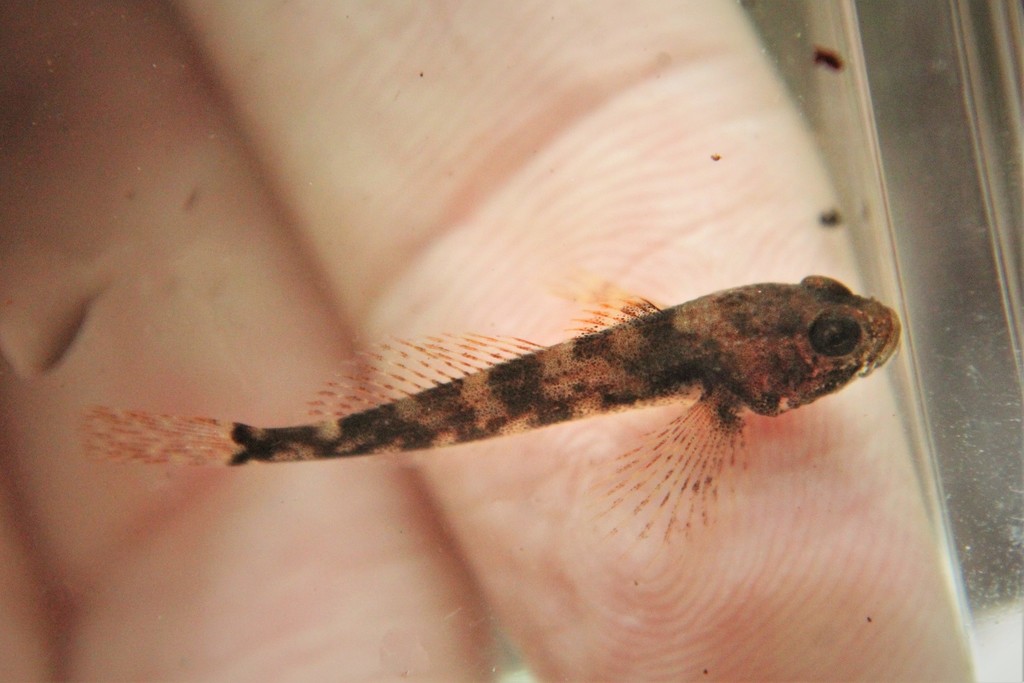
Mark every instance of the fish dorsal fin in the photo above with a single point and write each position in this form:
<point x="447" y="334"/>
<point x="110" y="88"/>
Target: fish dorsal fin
<point x="403" y="367"/>
<point x="609" y="313"/>
<point x="603" y="303"/>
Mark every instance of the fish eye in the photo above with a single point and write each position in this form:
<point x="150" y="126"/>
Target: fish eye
<point x="834" y="335"/>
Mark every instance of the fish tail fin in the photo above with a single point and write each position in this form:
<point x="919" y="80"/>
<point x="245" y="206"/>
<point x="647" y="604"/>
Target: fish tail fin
<point x="137" y="436"/>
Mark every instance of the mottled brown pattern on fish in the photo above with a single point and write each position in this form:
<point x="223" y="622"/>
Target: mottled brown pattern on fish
<point x="766" y="348"/>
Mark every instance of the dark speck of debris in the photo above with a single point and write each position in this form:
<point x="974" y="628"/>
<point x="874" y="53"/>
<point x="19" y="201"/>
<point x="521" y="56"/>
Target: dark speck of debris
<point x="828" y="58"/>
<point x="190" y="201"/>
<point x="830" y="218"/>
<point x="716" y="157"/>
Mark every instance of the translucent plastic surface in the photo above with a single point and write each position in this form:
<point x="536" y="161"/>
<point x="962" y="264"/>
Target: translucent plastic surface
<point x="925" y="143"/>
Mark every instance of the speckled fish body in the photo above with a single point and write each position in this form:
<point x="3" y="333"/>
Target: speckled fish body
<point x="765" y="348"/>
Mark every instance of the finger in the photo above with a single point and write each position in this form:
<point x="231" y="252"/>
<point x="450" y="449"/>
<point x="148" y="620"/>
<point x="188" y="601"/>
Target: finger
<point x="192" y="297"/>
<point x="23" y="627"/>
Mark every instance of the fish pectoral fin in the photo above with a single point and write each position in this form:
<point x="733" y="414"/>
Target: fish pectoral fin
<point x="666" y="486"/>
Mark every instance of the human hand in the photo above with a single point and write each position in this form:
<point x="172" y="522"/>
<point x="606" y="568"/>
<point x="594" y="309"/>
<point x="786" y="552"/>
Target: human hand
<point x="216" y="237"/>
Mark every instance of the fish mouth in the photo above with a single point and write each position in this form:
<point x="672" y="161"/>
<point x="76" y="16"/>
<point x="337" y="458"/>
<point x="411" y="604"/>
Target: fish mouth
<point x="887" y="331"/>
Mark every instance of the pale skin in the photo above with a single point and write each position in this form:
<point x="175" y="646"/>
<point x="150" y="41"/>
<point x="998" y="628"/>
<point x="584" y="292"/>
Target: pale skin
<point x="244" y="196"/>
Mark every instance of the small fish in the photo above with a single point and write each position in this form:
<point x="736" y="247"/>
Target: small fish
<point x="766" y="348"/>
